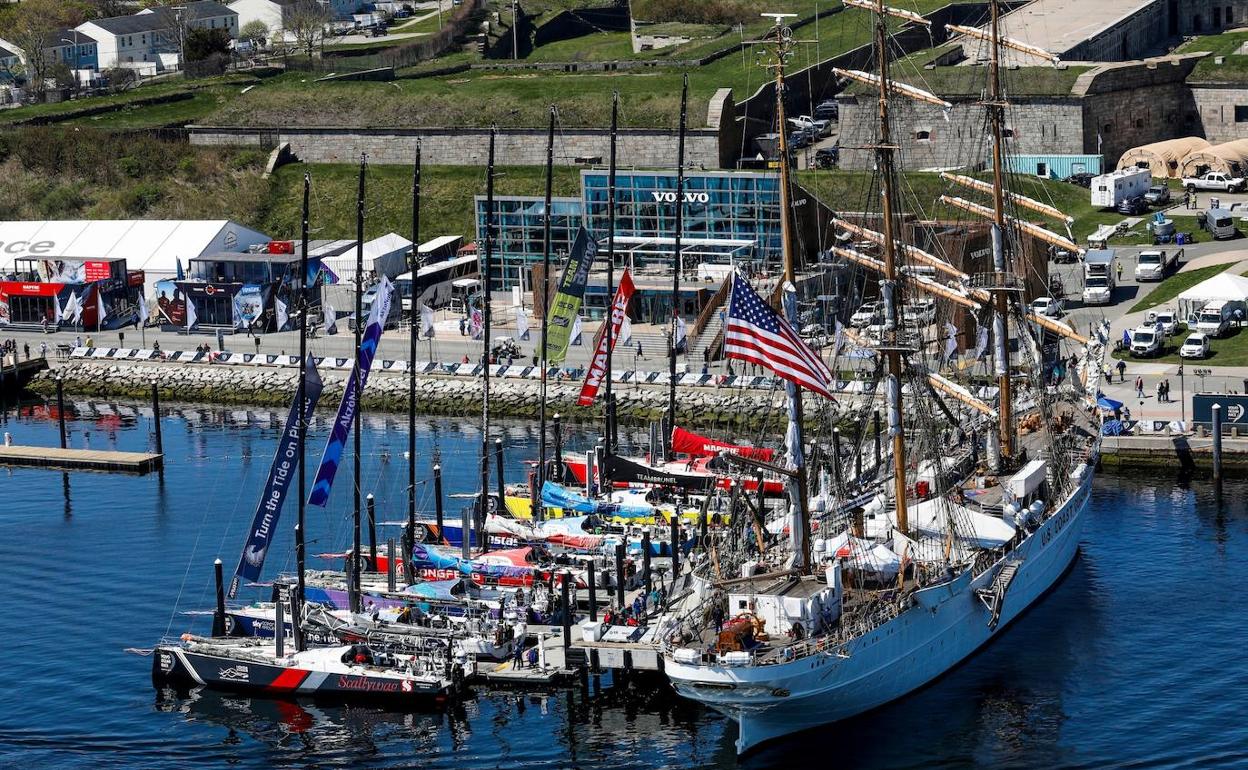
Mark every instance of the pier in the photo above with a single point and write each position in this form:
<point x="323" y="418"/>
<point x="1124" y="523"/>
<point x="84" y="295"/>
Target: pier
<point x="16" y="374"/>
<point x="137" y="463"/>
<point x="1181" y="451"/>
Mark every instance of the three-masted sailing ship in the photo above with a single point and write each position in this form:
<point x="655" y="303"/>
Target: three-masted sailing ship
<point x="906" y="568"/>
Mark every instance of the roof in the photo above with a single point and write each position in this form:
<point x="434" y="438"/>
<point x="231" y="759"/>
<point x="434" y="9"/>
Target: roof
<point x="146" y="244"/>
<point x="1223" y="286"/>
<point x="78" y="38"/>
<point x="6" y="53"/>
<point x="160" y="17"/>
<point x="205" y="9"/>
<point x="247" y="256"/>
<point x="1220" y="157"/>
<point x="1162" y="159"/>
<point x="1059" y="26"/>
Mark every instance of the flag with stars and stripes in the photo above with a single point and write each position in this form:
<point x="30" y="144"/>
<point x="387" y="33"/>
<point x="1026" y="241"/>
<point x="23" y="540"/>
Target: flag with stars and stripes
<point x="757" y="334"/>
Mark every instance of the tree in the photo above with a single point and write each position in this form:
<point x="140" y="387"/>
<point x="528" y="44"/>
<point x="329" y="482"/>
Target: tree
<point x="306" y="21"/>
<point x="255" y="32"/>
<point x="35" y="27"/>
<point x="203" y="43"/>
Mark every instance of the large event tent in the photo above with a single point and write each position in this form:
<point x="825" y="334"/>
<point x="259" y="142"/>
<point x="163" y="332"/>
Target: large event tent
<point x="1164" y="160"/>
<point x="1223" y="286"/>
<point x="1230" y="158"/>
<point x="155" y="246"/>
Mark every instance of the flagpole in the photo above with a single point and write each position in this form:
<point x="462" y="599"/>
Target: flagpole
<point x="300" y="543"/>
<point x="358" y="391"/>
<point x="414" y="335"/>
<point x="676" y="267"/>
<point x="610" y="320"/>
<point x="538" y="511"/>
<point x="487" y="269"/>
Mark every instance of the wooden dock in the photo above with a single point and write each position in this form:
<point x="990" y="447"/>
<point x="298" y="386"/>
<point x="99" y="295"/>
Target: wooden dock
<point x="81" y="459"/>
<point x="15" y="375"/>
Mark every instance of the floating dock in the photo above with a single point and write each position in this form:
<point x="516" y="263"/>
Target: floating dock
<point x="16" y="375"/>
<point x="81" y="459"/>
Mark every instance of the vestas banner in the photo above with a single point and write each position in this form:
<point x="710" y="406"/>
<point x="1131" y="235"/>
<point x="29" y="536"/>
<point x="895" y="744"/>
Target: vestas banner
<point x="281" y="477"/>
<point x="598" y="366"/>
<point x="348" y="408"/>
<point x="567" y="304"/>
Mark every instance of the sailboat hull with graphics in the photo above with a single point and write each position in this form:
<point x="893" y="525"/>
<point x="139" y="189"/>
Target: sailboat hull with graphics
<point x="944" y="625"/>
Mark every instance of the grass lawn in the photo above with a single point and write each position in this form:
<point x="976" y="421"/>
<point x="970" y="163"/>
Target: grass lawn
<point x="1234" y="69"/>
<point x="446" y="198"/>
<point x="1231" y="350"/>
<point x="1177" y="284"/>
<point x="373" y="46"/>
<point x="223" y="84"/>
<point x="855" y="191"/>
<point x="599" y="46"/>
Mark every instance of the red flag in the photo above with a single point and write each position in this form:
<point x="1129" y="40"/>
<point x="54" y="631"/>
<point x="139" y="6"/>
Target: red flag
<point x="598" y="365"/>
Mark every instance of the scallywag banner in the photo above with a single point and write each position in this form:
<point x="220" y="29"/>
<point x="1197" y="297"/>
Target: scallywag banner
<point x="598" y="366"/>
<point x="282" y="475"/>
<point x="348" y="409"/>
<point x="567" y="304"/>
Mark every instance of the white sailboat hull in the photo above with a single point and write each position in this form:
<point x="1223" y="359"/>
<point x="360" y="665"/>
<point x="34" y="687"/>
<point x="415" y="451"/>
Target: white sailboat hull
<point x="897" y="657"/>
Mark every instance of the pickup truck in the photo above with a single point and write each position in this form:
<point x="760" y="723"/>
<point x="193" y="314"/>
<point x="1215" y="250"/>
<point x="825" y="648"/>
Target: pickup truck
<point x="820" y="128"/>
<point x="1153" y="264"/>
<point x="1214" y="180"/>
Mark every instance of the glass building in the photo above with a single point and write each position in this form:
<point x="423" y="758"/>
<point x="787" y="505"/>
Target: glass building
<point x="729" y="217"/>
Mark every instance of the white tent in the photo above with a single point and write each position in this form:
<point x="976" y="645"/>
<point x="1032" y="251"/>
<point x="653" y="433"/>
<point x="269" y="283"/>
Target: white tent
<point x="152" y="245"/>
<point x="1223" y="286"/>
<point x="387" y="255"/>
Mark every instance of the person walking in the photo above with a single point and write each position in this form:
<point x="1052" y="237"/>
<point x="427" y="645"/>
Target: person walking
<point x="1161" y="392"/>
<point x="1139" y="387"/>
<point x="1119" y="272"/>
<point x="1122" y="371"/>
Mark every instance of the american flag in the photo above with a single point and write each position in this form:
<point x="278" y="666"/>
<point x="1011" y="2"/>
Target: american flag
<point x="757" y="334"/>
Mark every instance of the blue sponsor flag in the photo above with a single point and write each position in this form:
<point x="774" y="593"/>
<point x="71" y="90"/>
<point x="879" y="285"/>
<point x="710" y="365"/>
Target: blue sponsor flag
<point x="282" y="474"/>
<point x="348" y="409"/>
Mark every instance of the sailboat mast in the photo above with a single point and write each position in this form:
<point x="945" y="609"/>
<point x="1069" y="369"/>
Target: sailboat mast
<point x="677" y="265"/>
<point x="414" y="337"/>
<point x="545" y="288"/>
<point x="889" y="190"/>
<point x="358" y="390"/>
<point x="996" y="114"/>
<point x="610" y="398"/>
<point x="783" y="51"/>
<point x="488" y="275"/>
<point x="300" y="540"/>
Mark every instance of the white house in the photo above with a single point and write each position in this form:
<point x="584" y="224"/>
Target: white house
<point x="8" y="59"/>
<point x="272" y="13"/>
<point x="143" y="37"/>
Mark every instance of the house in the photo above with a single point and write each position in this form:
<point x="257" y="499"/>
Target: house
<point x="8" y="62"/>
<point x="75" y="49"/>
<point x="272" y="13"/>
<point x="151" y="35"/>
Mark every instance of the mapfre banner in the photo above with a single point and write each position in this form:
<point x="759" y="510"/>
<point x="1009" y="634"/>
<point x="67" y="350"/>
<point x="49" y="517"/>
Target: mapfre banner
<point x="598" y="366"/>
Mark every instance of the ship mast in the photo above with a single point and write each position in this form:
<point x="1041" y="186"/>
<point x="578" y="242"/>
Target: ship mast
<point x="996" y="116"/>
<point x="890" y="190"/>
<point x="780" y="40"/>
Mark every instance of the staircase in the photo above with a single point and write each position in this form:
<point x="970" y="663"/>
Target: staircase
<point x="993" y="596"/>
<point x="708" y="338"/>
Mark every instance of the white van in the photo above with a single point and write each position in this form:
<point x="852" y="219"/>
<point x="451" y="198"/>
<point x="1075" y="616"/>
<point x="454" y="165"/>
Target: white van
<point x="1145" y="341"/>
<point x="1220" y="224"/>
<point x="1215" y="318"/>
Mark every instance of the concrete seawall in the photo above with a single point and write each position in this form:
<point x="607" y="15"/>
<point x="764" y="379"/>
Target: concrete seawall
<point x="1174" y="454"/>
<point x="700" y="407"/>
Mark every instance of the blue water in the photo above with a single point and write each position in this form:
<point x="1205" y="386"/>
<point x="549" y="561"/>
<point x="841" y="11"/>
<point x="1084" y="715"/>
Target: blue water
<point x="1133" y="661"/>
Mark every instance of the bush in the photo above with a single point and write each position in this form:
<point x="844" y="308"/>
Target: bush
<point x="702" y="12"/>
<point x="131" y="167"/>
<point x="138" y="200"/>
<point x="63" y="201"/>
<point x="248" y="159"/>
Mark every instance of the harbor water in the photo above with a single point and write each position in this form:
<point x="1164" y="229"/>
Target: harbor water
<point x="1132" y="661"/>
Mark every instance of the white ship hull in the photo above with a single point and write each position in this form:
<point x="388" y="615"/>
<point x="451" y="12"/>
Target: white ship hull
<point x="948" y="624"/>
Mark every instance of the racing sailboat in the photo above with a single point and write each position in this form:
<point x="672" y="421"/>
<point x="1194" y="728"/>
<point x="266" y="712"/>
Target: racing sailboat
<point x="924" y="560"/>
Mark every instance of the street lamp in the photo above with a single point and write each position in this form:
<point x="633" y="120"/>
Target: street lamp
<point x="74" y="45"/>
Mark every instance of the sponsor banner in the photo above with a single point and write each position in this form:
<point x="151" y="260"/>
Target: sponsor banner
<point x="170" y="302"/>
<point x="248" y="305"/>
<point x="566" y="307"/>
<point x="348" y="408"/>
<point x="282" y="475"/>
<point x="598" y="365"/>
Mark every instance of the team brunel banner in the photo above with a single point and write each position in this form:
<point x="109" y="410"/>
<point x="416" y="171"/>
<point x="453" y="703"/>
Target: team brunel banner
<point x="281" y="477"/>
<point x="566" y="307"/>
<point x="598" y="366"/>
<point x="348" y="409"/>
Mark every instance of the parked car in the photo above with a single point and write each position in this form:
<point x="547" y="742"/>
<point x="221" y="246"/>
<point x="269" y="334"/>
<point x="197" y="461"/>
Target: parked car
<point x="1165" y="320"/>
<point x="827" y="157"/>
<point x="807" y="123"/>
<point x="1048" y="307"/>
<point x="866" y="312"/>
<point x="1195" y="346"/>
<point x="1130" y="206"/>
<point x="1060" y="255"/>
<point x="828" y="110"/>
<point x="1214" y="180"/>
<point x="1157" y="195"/>
<point x="1145" y="341"/>
<point x="1083" y="180"/>
<point x="801" y="138"/>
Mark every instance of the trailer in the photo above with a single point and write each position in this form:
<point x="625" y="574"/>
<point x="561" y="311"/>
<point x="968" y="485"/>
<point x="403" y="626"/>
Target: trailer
<point x="1108" y="190"/>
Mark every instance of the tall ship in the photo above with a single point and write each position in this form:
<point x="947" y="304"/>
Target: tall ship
<point x="889" y="573"/>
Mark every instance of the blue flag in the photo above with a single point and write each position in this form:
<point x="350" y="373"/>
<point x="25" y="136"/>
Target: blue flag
<point x="281" y="477"/>
<point x="348" y="409"/>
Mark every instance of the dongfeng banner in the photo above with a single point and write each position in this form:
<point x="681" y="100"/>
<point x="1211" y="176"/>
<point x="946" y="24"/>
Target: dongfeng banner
<point x="348" y="409"/>
<point x="281" y="477"/>
<point x="598" y="366"/>
<point x="566" y="306"/>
